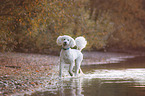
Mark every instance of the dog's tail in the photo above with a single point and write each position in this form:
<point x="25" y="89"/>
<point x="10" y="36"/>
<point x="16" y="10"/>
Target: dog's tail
<point x="80" y="42"/>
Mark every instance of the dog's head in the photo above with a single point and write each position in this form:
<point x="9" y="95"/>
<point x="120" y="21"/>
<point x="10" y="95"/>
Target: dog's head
<point x="66" y="41"/>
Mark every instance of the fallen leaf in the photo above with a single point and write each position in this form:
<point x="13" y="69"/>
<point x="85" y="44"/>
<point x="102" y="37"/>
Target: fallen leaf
<point x="32" y="83"/>
<point x="37" y="71"/>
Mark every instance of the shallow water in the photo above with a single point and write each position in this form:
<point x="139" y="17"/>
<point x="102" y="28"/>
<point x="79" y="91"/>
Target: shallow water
<point x="126" y="78"/>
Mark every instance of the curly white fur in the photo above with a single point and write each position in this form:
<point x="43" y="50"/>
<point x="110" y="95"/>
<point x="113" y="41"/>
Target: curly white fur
<point x="80" y="42"/>
<point x="70" y="56"/>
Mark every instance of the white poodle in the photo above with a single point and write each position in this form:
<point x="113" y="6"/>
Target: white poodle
<point x="70" y="56"/>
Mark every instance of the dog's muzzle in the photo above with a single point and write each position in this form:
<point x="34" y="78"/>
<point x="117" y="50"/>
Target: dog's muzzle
<point x="64" y="43"/>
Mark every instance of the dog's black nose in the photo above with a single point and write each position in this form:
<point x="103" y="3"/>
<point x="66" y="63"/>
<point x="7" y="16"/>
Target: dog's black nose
<point x="64" y="43"/>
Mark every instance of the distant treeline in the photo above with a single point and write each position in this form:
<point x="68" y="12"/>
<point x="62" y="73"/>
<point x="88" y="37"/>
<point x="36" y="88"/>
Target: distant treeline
<point x="34" y="25"/>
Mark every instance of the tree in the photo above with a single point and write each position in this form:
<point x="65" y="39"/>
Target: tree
<point x="34" y="25"/>
<point x="127" y="16"/>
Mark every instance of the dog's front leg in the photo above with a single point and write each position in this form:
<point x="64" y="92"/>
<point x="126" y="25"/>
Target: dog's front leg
<point x="70" y="69"/>
<point x="60" y="69"/>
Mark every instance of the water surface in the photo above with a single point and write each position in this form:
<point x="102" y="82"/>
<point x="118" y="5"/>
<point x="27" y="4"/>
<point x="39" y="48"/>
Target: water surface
<point x="126" y="78"/>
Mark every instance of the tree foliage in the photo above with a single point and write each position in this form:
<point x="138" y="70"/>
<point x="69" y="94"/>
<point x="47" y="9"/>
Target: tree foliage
<point x="34" y="25"/>
<point x="128" y="17"/>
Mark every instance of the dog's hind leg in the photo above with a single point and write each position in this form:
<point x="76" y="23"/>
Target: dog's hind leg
<point x="77" y="67"/>
<point x="81" y="72"/>
<point x="71" y="69"/>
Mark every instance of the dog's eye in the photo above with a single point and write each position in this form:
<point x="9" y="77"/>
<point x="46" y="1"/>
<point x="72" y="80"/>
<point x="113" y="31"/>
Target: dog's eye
<point x="63" y="39"/>
<point x="67" y="39"/>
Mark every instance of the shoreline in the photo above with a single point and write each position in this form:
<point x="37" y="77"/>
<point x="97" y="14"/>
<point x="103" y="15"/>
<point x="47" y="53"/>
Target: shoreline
<point x="21" y="72"/>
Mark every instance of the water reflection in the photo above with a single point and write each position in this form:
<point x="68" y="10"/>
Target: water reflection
<point x="104" y="80"/>
<point x="70" y="87"/>
<point x="137" y="74"/>
<point x="101" y="82"/>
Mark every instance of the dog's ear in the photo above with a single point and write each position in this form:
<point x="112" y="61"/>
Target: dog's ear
<point x="72" y="42"/>
<point x="59" y="41"/>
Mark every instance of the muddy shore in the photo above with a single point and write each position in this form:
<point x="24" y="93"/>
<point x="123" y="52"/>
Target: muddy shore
<point x="22" y="72"/>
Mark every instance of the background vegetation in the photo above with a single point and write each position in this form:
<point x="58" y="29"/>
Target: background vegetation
<point x="34" y="25"/>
